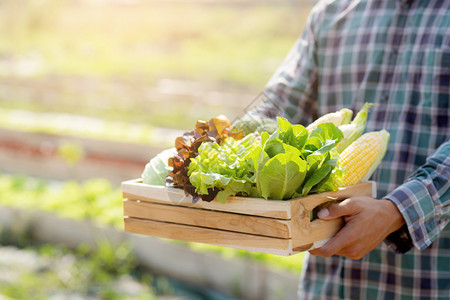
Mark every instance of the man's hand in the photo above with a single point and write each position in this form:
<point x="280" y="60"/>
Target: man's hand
<point x="368" y="222"/>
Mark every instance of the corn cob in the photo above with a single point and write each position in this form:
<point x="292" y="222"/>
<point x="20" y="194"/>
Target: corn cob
<point x="353" y="130"/>
<point x="363" y="156"/>
<point x="338" y="118"/>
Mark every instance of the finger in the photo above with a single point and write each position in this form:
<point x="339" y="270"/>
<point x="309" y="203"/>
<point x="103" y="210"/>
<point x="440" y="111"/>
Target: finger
<point x="344" y="208"/>
<point x="317" y="252"/>
<point x="345" y="238"/>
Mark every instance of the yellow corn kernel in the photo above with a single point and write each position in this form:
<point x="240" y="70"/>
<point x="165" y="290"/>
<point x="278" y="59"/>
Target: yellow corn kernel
<point x="360" y="156"/>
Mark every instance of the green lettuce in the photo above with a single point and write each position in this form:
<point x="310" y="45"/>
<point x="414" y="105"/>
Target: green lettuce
<point x="225" y="167"/>
<point x="282" y="175"/>
<point x="322" y="159"/>
<point x="288" y="163"/>
<point x="297" y="164"/>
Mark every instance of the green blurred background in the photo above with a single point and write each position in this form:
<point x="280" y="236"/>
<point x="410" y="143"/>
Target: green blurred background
<point x="90" y="90"/>
<point x="126" y="59"/>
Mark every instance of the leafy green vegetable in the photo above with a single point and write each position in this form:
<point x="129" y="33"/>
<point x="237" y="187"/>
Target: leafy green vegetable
<point x="315" y="151"/>
<point x="216" y="130"/>
<point x="327" y="132"/>
<point x="258" y="158"/>
<point x="317" y="175"/>
<point x="322" y="158"/>
<point x="273" y="145"/>
<point x="278" y="166"/>
<point x="157" y="169"/>
<point x="282" y="175"/>
<point x="224" y="167"/>
<point x="294" y="135"/>
<point x="330" y="182"/>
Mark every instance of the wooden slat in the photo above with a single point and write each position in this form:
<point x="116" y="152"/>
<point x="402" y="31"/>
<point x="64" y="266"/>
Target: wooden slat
<point x="304" y="231"/>
<point x="209" y="236"/>
<point x="206" y="218"/>
<point x="319" y="230"/>
<point x="324" y="229"/>
<point x="135" y="190"/>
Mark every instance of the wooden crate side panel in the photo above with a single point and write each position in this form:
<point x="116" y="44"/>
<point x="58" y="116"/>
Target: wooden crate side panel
<point x="206" y="218"/>
<point x="324" y="229"/>
<point x="305" y="232"/>
<point x="135" y="190"/>
<point x="301" y="225"/>
<point x="319" y="231"/>
<point x="209" y="236"/>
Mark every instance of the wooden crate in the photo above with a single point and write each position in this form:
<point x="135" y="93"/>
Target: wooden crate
<point x="269" y="226"/>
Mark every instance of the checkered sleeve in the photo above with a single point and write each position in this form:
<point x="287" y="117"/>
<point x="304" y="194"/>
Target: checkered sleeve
<point x="291" y="92"/>
<point x="424" y="202"/>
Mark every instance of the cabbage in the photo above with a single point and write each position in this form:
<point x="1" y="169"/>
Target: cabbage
<point x="157" y="169"/>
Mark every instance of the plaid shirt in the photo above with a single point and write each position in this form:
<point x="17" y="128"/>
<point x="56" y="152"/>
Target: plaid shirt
<point x="396" y="54"/>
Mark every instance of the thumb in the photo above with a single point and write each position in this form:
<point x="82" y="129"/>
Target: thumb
<point x="338" y="210"/>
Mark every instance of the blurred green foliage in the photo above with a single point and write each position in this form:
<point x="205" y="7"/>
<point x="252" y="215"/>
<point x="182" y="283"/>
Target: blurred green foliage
<point x="78" y="126"/>
<point x="70" y="152"/>
<point x="219" y="41"/>
<point x="108" y="61"/>
<point x="48" y="48"/>
<point x="98" y="201"/>
<point x="35" y="270"/>
<point x="86" y="272"/>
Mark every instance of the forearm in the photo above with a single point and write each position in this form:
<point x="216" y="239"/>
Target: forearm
<point x="424" y="202"/>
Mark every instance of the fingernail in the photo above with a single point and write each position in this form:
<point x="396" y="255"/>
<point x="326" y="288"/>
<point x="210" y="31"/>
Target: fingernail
<point x="323" y="213"/>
